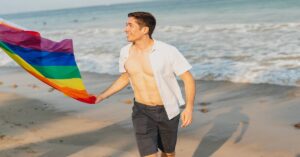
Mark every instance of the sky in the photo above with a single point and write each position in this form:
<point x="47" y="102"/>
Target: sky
<point x="16" y="6"/>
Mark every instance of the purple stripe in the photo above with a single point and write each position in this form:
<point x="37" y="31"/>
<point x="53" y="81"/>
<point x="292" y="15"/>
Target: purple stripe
<point x="33" y="40"/>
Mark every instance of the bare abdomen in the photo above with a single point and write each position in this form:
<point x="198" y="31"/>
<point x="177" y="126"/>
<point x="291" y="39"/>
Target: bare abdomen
<point x="145" y="89"/>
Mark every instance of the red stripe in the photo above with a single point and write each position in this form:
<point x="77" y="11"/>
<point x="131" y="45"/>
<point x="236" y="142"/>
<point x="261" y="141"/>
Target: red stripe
<point x="33" y="40"/>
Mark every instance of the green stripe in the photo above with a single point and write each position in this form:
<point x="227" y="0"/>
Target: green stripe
<point x="59" y="72"/>
<point x="5" y="48"/>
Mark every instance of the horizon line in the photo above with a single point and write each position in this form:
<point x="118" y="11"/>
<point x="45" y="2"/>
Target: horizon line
<point x="71" y="8"/>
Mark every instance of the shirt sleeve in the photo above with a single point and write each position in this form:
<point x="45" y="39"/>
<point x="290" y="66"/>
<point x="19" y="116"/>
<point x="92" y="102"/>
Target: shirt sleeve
<point x="122" y="62"/>
<point x="179" y="63"/>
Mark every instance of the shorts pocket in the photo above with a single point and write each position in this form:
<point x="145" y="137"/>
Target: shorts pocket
<point x="135" y="111"/>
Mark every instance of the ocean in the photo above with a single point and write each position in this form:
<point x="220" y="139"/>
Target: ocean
<point x="247" y="41"/>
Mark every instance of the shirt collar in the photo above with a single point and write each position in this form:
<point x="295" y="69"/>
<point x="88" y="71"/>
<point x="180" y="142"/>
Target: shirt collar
<point x="154" y="47"/>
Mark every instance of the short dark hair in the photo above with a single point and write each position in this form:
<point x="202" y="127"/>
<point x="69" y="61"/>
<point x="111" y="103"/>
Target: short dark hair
<point x="144" y="19"/>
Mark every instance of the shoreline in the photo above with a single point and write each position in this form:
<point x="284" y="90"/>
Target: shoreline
<point x="4" y="70"/>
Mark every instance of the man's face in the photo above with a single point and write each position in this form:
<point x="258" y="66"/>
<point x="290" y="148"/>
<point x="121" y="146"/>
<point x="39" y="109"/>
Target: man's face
<point x="133" y="30"/>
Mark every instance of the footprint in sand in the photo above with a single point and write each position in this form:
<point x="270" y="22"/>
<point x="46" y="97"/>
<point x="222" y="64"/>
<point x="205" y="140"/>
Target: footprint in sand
<point x="27" y="149"/>
<point x="17" y="124"/>
<point x="51" y="89"/>
<point x="14" y="86"/>
<point x="203" y="110"/>
<point x="34" y="86"/>
<point x="1" y="83"/>
<point x="127" y="101"/>
<point x="4" y="140"/>
<point x="2" y="137"/>
<point x="263" y="101"/>
<point x="204" y="103"/>
<point x="297" y="125"/>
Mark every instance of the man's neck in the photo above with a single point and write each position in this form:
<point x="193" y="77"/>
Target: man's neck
<point x="143" y="45"/>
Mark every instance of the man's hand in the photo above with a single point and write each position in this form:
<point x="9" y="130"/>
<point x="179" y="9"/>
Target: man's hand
<point x="99" y="98"/>
<point x="186" y="117"/>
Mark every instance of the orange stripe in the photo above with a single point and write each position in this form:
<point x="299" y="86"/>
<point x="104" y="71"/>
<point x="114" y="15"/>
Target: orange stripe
<point x="82" y="94"/>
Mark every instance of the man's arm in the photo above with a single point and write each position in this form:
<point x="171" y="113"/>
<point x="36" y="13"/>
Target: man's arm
<point x="190" y="90"/>
<point x="118" y="85"/>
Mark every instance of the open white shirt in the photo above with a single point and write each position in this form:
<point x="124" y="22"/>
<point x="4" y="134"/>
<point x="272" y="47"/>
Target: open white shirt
<point x="166" y="62"/>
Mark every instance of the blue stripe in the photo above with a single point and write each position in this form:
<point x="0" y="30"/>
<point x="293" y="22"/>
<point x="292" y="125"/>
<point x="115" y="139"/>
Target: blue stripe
<point x="43" y="58"/>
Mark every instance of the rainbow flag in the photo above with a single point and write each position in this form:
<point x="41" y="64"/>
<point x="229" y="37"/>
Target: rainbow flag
<point x="49" y="61"/>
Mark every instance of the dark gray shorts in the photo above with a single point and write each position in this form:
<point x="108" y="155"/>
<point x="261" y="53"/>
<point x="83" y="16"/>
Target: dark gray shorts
<point x="153" y="129"/>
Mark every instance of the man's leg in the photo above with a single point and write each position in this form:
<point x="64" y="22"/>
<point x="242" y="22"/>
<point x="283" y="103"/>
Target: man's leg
<point x="167" y="154"/>
<point x="146" y="130"/>
<point x="152" y="155"/>
<point x="167" y="135"/>
<point x="162" y="155"/>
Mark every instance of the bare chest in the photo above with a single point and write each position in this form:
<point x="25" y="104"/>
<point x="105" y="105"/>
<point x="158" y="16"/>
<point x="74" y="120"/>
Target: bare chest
<point x="139" y="64"/>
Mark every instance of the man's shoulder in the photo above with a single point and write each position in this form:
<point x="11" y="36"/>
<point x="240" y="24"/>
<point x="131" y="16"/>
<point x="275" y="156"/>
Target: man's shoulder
<point x="167" y="49"/>
<point x="163" y="45"/>
<point x="125" y="48"/>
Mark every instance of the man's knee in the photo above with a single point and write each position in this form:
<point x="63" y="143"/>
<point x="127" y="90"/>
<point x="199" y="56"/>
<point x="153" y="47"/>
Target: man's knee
<point x="167" y="154"/>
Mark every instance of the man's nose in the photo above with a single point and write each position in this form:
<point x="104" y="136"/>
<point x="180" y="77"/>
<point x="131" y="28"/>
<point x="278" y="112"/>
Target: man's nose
<point x="126" y="29"/>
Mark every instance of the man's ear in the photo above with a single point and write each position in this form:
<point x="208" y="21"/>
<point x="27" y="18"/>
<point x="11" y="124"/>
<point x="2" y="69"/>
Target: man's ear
<point x="145" y="30"/>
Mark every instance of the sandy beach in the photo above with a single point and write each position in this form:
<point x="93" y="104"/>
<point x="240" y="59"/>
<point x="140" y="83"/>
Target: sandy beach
<point x="229" y="120"/>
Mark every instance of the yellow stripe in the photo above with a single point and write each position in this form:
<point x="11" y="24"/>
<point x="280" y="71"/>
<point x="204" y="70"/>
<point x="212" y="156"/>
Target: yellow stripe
<point x="75" y="83"/>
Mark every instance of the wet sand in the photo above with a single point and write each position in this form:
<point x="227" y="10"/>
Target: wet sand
<point x="229" y="119"/>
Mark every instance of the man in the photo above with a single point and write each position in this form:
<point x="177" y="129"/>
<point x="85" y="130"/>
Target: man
<point x="150" y="67"/>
